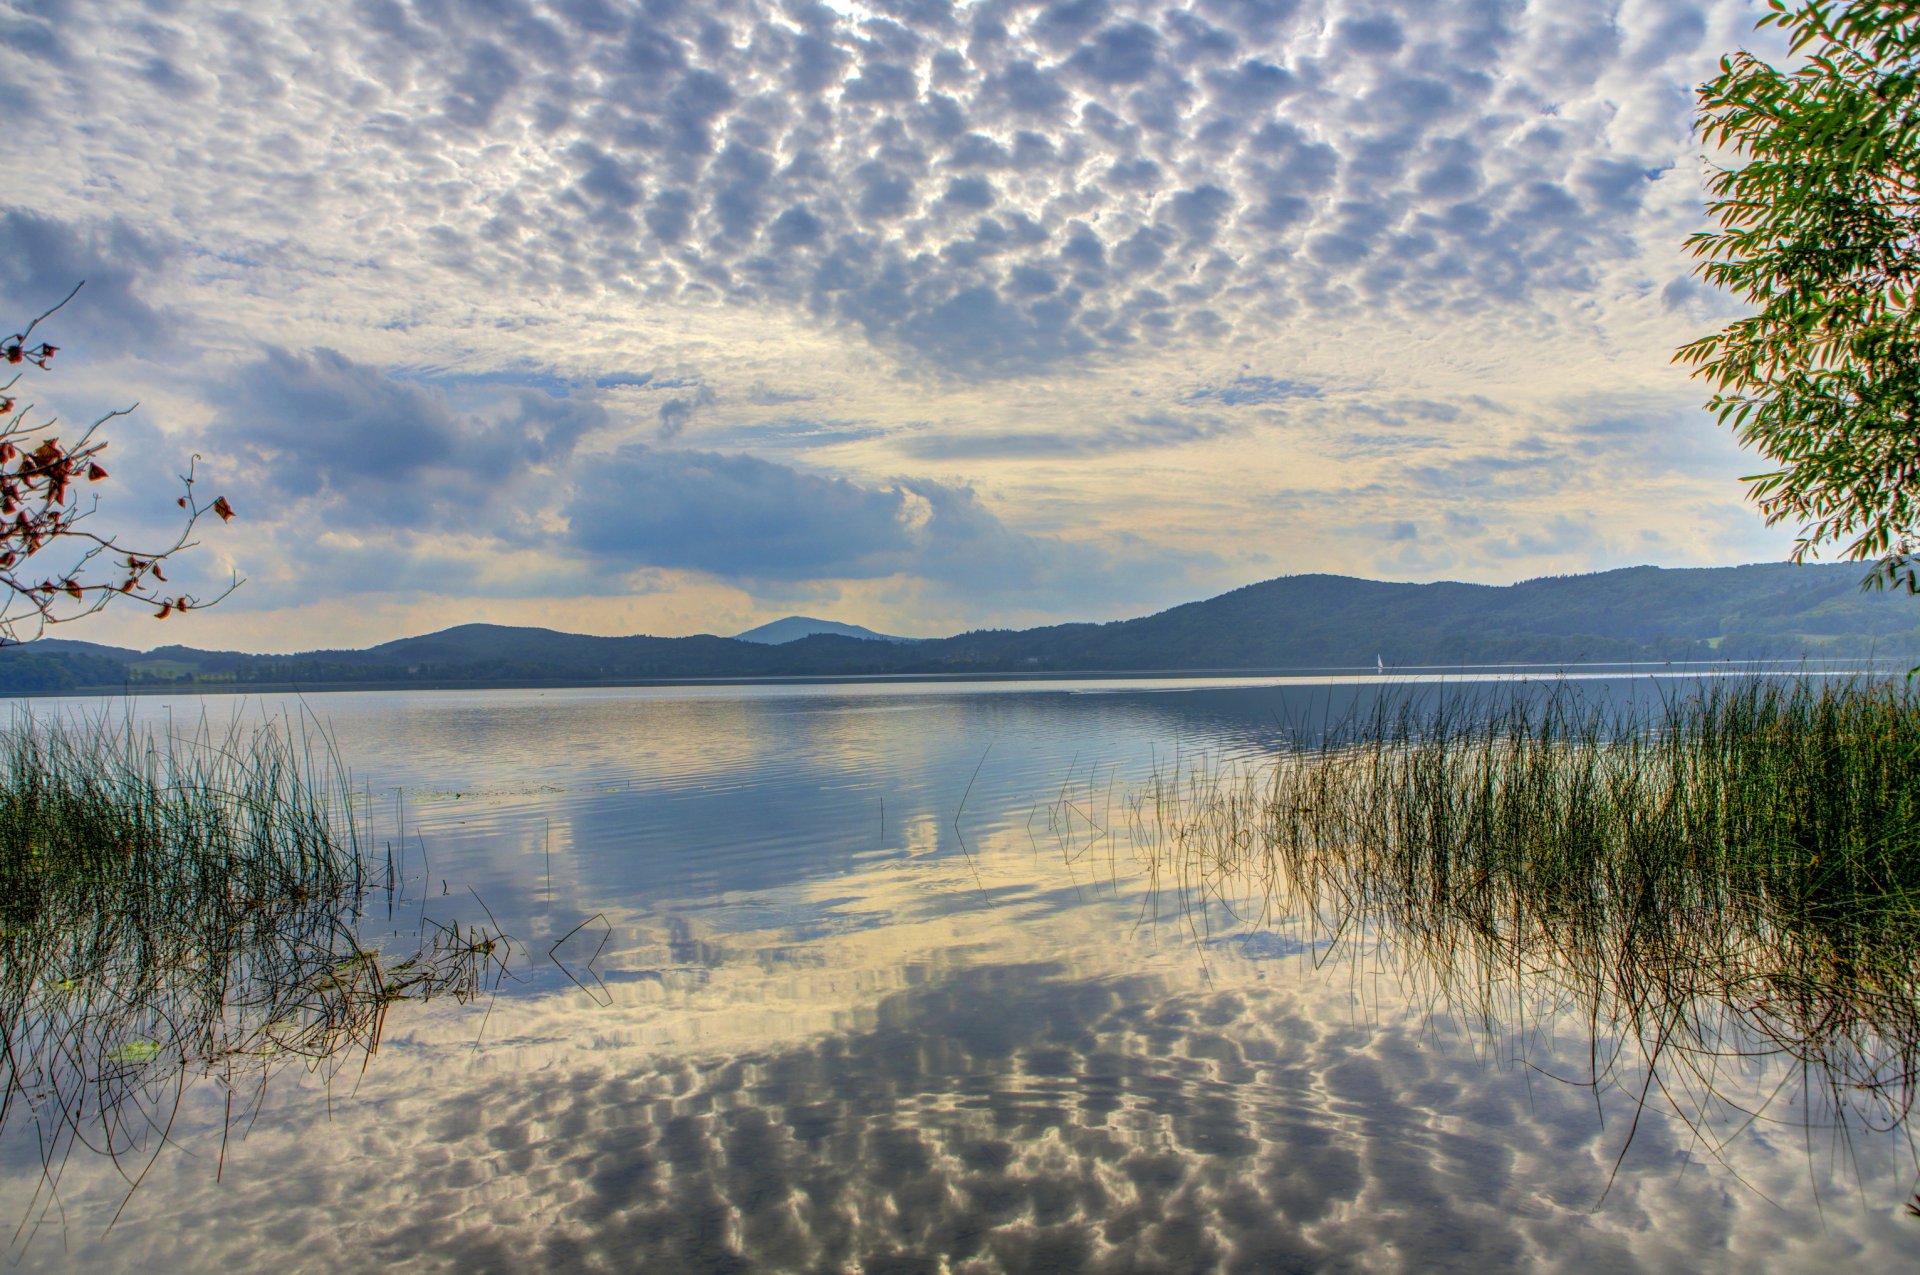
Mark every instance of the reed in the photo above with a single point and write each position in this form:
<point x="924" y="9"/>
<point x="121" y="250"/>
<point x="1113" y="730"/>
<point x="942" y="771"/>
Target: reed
<point x="1732" y="877"/>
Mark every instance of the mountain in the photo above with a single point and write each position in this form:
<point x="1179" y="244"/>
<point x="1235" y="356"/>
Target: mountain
<point x="1769" y="611"/>
<point x="795" y="627"/>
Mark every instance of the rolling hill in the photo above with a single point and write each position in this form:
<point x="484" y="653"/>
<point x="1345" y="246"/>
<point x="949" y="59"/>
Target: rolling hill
<point x="1768" y="611"/>
<point x="795" y="627"/>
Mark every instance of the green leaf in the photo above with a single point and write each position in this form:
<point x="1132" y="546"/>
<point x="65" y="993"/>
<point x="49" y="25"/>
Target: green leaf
<point x="1818" y="231"/>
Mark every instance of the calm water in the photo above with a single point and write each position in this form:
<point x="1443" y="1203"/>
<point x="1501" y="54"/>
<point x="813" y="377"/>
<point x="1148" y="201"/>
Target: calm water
<point x="872" y="978"/>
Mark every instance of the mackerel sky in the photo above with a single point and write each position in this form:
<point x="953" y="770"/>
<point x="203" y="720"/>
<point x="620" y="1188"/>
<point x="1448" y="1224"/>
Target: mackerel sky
<point x="619" y="316"/>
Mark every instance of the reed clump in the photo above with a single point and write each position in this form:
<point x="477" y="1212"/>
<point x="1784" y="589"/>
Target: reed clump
<point x="1735" y="875"/>
<point x="177" y="908"/>
<point x="122" y="840"/>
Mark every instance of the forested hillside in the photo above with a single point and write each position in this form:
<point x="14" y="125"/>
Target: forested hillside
<point x="1772" y="611"/>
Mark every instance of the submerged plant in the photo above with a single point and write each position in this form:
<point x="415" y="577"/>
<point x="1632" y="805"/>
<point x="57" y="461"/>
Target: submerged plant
<point x="174" y="910"/>
<point x="1733" y="879"/>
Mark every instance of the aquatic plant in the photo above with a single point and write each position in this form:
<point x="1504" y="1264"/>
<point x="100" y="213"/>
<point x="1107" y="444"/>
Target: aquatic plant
<point x="1732" y="879"/>
<point x="176" y="909"/>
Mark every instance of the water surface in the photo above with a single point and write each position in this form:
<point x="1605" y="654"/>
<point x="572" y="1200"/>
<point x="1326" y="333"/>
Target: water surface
<point x="875" y="978"/>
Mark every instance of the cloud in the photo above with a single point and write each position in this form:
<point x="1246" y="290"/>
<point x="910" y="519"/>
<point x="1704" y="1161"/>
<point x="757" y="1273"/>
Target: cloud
<point x="1123" y="53"/>
<point x="318" y="426"/>
<point x="677" y="411"/>
<point x="1176" y="172"/>
<point x="1135" y="433"/>
<point x="1552" y="537"/>
<point x="493" y="243"/>
<point x="795" y="432"/>
<point x="739" y="516"/>
<point x="1021" y="1111"/>
<point x="1376" y="35"/>
<point x="1249" y="390"/>
<point x="42" y="259"/>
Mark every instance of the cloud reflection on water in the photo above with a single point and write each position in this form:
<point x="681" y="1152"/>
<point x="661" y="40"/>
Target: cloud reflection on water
<point x="1031" y="1086"/>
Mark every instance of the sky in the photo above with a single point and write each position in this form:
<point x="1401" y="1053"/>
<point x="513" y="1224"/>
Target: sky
<point x="670" y="317"/>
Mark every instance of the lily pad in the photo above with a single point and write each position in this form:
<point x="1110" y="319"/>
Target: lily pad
<point x="134" y="1051"/>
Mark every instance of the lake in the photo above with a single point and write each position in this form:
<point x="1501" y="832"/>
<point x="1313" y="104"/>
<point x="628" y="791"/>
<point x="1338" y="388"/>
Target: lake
<point x="880" y="977"/>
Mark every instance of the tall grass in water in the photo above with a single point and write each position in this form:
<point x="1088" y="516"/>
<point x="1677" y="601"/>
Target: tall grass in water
<point x="1732" y="877"/>
<point x="177" y="909"/>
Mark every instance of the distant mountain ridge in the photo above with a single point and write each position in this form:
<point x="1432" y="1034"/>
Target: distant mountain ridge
<point x="795" y="627"/>
<point x="1766" y="611"/>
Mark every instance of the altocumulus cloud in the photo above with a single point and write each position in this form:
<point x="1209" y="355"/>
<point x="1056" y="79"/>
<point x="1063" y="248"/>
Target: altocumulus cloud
<point x="765" y="193"/>
<point x="990" y="189"/>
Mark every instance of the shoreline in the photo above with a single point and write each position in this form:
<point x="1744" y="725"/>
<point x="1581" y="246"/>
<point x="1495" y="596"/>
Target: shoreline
<point x="1359" y="674"/>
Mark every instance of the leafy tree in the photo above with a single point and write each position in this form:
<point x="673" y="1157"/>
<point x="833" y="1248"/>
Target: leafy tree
<point x="54" y="567"/>
<point x="1819" y="230"/>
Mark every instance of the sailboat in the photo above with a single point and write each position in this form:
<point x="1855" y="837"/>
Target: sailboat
<point x="1379" y="664"/>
